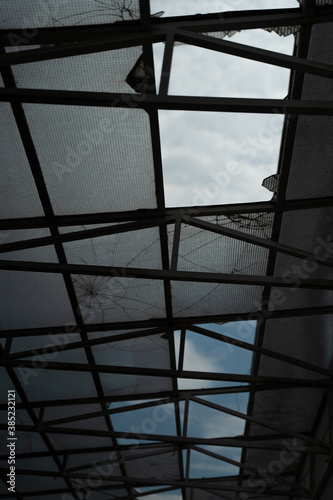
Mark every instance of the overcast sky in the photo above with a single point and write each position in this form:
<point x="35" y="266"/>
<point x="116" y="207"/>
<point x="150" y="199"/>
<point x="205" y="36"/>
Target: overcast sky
<point x="200" y="149"/>
<point x="199" y="154"/>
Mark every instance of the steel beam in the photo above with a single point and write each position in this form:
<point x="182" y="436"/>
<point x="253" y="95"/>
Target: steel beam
<point x="81" y="48"/>
<point x="295" y="489"/>
<point x="221" y="337"/>
<point x="255" y="240"/>
<point x="86" y="234"/>
<point x="155" y="102"/>
<point x="142" y="215"/>
<point x="258" y="421"/>
<point x="213" y="483"/>
<point x="88" y="343"/>
<point x="169" y="373"/>
<point x="172" y="324"/>
<point x="222" y="21"/>
<point x="146" y="333"/>
<point x="258" y="443"/>
<point x="114" y="411"/>
<point x="166" y="65"/>
<point x="253" y="53"/>
<point x="163" y="274"/>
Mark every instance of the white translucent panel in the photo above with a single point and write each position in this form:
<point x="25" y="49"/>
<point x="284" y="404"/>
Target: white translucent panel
<point x="45" y="384"/>
<point x="313" y="145"/>
<point x="96" y="72"/>
<point x="111" y="299"/>
<point x="41" y="254"/>
<point x="54" y="354"/>
<point x="156" y="466"/>
<point x="37" y="463"/>
<point x="262" y="458"/>
<point x="30" y="442"/>
<point x="94" y="159"/>
<point x="120" y="332"/>
<point x="256" y="224"/>
<point x="303" y="299"/>
<point x="6" y="385"/>
<point x="41" y="300"/>
<point x="25" y="483"/>
<point x="195" y="299"/>
<point x="152" y="352"/>
<point x="20" y="48"/>
<point x="59" y="412"/>
<point x="289" y="409"/>
<point x="50" y="344"/>
<point x="224" y="157"/>
<point x="19" y="14"/>
<point x="97" y="467"/>
<point x="51" y="347"/>
<point x="3" y="486"/>
<point x="51" y="496"/>
<point x="114" y="384"/>
<point x="202" y="466"/>
<point x="21" y="416"/>
<point x="205" y="251"/>
<point x="80" y="459"/>
<point x="199" y="494"/>
<point x="18" y="193"/>
<point x="205" y="422"/>
<point x="294" y="337"/>
<point x="276" y="368"/>
<point x="309" y="230"/>
<point x="131" y="249"/>
<point x="73" y="441"/>
<point x="202" y="72"/>
<point x="154" y="420"/>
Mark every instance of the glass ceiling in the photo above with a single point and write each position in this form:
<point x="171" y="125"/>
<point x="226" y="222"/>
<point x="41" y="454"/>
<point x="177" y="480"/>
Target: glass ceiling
<point x="157" y="318"/>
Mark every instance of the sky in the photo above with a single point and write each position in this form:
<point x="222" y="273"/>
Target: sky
<point x="213" y="158"/>
<point x="201" y="354"/>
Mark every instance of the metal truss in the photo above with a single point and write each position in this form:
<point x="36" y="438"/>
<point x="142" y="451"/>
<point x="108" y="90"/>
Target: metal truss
<point x="78" y="40"/>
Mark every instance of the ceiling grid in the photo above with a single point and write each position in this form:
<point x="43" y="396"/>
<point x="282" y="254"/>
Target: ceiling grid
<point x="159" y="352"/>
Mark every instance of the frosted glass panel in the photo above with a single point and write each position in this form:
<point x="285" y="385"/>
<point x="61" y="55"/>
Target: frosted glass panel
<point x="94" y="159"/>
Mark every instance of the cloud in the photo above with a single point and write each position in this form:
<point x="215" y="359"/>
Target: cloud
<point x="194" y="360"/>
<point x="222" y="425"/>
<point x="176" y="8"/>
<point x="198" y="146"/>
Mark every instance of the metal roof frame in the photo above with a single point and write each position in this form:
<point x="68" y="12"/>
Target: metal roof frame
<point x="146" y="31"/>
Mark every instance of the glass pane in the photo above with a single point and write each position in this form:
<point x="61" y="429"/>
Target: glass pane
<point x="34" y="292"/>
<point x="224" y="157"/>
<point x="19" y="196"/>
<point x="96" y="72"/>
<point x="187" y="7"/>
<point x="20" y="14"/>
<point x="94" y="159"/>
